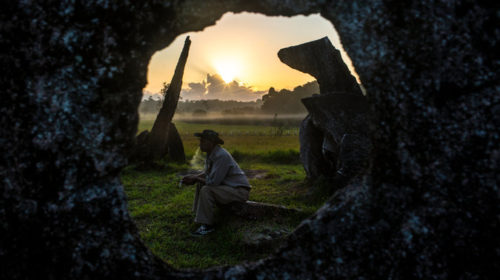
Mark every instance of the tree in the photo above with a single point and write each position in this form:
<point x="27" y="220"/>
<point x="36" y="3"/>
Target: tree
<point x="286" y="101"/>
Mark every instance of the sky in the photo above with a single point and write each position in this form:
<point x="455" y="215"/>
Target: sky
<point x="237" y="57"/>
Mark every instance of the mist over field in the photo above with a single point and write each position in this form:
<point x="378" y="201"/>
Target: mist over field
<point x="274" y="104"/>
<point x="221" y="117"/>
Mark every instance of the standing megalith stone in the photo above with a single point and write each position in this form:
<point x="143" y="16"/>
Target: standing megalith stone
<point x="323" y="61"/>
<point x="329" y="128"/>
<point x="311" y="142"/>
<point x="164" y="137"/>
<point x="344" y="120"/>
<point x="174" y="144"/>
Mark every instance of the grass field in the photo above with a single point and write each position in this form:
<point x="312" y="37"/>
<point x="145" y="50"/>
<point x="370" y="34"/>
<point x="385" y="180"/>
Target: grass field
<point x="162" y="209"/>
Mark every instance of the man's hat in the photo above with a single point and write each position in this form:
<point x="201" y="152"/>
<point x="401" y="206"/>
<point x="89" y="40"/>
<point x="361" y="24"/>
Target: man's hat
<point x="210" y="135"/>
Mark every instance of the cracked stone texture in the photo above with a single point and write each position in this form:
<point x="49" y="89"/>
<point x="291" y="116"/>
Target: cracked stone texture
<point x="72" y="79"/>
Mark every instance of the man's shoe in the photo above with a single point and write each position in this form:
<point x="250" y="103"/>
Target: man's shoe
<point x="203" y="230"/>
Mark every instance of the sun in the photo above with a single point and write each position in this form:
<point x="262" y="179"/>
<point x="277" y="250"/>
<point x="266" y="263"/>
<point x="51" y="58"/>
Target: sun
<point x="228" y="69"/>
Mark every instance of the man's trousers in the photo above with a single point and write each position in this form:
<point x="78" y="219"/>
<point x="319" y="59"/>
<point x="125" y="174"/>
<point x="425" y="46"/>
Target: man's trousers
<point x="206" y="198"/>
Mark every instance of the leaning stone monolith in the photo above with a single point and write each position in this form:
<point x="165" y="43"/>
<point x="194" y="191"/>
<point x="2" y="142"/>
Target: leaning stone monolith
<point x="164" y="137"/>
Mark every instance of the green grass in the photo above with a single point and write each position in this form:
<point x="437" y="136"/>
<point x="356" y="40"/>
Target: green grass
<point x="162" y="210"/>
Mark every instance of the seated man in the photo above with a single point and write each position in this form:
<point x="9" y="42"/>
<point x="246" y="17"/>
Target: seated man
<point x="222" y="182"/>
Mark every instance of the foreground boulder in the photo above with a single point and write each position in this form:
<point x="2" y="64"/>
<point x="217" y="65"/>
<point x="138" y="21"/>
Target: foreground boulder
<point x="429" y="209"/>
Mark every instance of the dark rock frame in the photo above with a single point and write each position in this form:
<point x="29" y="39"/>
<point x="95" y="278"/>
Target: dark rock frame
<point x="72" y="80"/>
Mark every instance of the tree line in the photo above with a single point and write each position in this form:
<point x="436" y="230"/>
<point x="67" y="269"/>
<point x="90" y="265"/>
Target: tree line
<point x="274" y="102"/>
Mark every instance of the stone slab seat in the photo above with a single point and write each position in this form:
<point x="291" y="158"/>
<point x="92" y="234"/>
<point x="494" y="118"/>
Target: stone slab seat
<point x="253" y="210"/>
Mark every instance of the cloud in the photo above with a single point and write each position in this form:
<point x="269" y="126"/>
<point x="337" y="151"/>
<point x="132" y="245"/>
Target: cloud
<point x="216" y="84"/>
<point x="215" y="88"/>
<point x="195" y="91"/>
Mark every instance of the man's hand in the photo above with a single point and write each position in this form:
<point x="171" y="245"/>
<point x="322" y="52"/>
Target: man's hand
<point x="193" y="179"/>
<point x="189" y="180"/>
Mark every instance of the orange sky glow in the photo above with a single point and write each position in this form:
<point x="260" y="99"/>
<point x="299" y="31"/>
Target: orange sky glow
<point x="243" y="47"/>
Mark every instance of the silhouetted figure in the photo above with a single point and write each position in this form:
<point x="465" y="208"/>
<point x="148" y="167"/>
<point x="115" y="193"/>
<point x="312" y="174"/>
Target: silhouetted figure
<point x="222" y="181"/>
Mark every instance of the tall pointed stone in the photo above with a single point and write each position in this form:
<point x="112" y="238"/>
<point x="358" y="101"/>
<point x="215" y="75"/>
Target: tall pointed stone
<point x="164" y="137"/>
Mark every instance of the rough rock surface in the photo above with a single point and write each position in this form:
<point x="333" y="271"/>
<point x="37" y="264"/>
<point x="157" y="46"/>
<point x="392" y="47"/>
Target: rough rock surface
<point x="343" y="120"/>
<point x="72" y="80"/>
<point x="338" y="119"/>
<point x="323" y="61"/>
<point x="263" y="239"/>
<point x="174" y="144"/>
<point x="311" y="153"/>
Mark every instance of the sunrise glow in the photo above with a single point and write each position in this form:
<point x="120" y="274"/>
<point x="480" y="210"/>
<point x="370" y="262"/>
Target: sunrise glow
<point x="241" y="47"/>
<point x="228" y="68"/>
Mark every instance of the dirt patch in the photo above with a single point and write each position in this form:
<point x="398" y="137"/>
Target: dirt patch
<point x="256" y="173"/>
